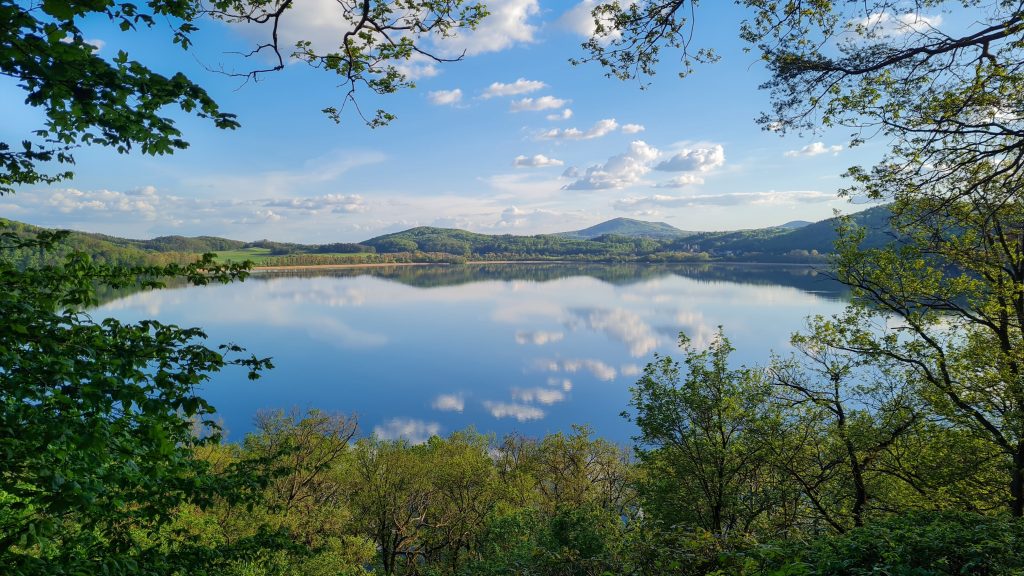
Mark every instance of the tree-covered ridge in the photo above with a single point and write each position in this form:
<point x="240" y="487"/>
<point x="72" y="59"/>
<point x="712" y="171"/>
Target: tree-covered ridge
<point x="629" y="227"/>
<point x="632" y="240"/>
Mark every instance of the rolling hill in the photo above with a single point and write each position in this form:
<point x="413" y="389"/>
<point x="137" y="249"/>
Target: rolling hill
<point x="620" y="239"/>
<point x="629" y="228"/>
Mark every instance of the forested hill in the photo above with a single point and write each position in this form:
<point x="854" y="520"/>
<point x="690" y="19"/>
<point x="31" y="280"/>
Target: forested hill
<point x="114" y="250"/>
<point x="628" y="227"/>
<point x="621" y="239"/>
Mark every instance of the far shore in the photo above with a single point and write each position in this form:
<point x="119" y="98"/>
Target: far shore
<point x="280" y="268"/>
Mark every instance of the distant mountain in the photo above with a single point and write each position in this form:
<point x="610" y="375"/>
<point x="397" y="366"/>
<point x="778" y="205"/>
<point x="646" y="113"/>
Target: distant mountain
<point x="629" y="228"/>
<point x="796" y="224"/>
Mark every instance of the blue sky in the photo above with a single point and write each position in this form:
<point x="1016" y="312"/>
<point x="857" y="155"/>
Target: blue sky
<point x="513" y="139"/>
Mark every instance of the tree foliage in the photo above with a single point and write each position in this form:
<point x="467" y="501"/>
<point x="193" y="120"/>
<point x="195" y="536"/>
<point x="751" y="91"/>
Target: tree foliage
<point x="122" y="103"/>
<point x="98" y="419"/>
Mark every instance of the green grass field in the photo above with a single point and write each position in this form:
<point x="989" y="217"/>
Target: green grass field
<point x="257" y="255"/>
<point x="262" y="257"/>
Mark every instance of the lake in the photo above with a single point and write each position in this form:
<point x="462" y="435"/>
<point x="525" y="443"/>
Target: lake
<point x="532" y="348"/>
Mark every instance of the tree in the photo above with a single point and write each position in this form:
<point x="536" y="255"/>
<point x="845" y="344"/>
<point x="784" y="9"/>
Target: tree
<point x="956" y="288"/>
<point x="843" y="417"/>
<point x="707" y="468"/>
<point x="97" y="420"/>
<point x="121" y="103"/>
<point x="946" y="98"/>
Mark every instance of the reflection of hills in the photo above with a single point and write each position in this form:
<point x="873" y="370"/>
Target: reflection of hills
<point x="801" y="277"/>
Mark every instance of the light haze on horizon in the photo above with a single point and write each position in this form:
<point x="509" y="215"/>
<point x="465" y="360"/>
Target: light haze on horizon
<point x="513" y="139"/>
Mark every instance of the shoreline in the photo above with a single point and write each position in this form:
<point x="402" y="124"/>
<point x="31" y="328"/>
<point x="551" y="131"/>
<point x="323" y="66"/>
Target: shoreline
<point x="280" y="268"/>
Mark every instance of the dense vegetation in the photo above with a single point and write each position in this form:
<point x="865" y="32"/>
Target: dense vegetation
<point x="891" y="442"/>
<point x="631" y="241"/>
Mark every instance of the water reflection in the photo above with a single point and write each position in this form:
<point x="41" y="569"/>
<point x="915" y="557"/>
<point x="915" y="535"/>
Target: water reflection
<point x="533" y="348"/>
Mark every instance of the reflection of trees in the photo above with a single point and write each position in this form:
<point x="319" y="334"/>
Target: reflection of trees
<point x="804" y="278"/>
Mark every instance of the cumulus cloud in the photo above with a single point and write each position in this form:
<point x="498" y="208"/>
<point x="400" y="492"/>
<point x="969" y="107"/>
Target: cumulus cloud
<point x="619" y="171"/>
<point x="731" y="199"/>
<point x="538" y="338"/>
<point x="445" y="97"/>
<point x="621" y="325"/>
<point x="537" y="104"/>
<point x="694" y="160"/>
<point x="449" y="403"/>
<point x="520" y="412"/>
<point x="514" y="217"/>
<point x="546" y="396"/>
<point x="334" y="203"/>
<point x="681" y="181"/>
<point x="415" y="431"/>
<point x="886" y="24"/>
<point x="580" y="20"/>
<point x="141" y="202"/>
<point x="632" y="128"/>
<point x="599" y="129"/>
<point x="520" y="86"/>
<point x="506" y="25"/>
<point x="565" y="114"/>
<point x="814" y="149"/>
<point x="536" y="161"/>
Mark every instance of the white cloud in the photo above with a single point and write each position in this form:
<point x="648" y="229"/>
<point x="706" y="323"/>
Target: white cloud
<point x="520" y="412"/>
<point x="565" y="114"/>
<point x="445" y="97"/>
<point x="506" y="25"/>
<point x="537" y="104"/>
<point x="599" y="129"/>
<point x="536" y="161"/>
<point x="449" y="403"/>
<point x="415" y="431"/>
<point x="632" y="128"/>
<point x="334" y="203"/>
<point x="814" y="149"/>
<point x="517" y="218"/>
<point x="546" y="396"/>
<point x="538" y="338"/>
<point x="694" y="160"/>
<point x="731" y="199"/>
<point x="885" y="24"/>
<point x="580" y="20"/>
<point x="520" y="86"/>
<point x="619" y="171"/>
<point x="681" y="181"/>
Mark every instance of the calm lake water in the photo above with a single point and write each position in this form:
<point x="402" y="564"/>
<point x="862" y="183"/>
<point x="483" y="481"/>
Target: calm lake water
<point x="416" y="351"/>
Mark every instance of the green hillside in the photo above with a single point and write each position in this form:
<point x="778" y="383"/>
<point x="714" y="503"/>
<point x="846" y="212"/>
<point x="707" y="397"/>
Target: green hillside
<point x="618" y="240"/>
<point x="629" y="228"/>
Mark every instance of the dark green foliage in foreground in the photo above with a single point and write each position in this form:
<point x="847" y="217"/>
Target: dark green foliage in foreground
<point x="917" y="543"/>
<point x="97" y="420"/>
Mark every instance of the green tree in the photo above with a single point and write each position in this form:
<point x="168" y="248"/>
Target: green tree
<point x="97" y="418"/>
<point x="948" y="306"/>
<point x="707" y="467"/>
<point x="843" y="420"/>
<point x="945" y="97"/>
<point x="122" y="103"/>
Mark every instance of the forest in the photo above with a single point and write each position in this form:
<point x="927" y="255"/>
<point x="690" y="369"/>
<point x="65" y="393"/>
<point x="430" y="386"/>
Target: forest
<point x="810" y="244"/>
<point x="891" y="441"/>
